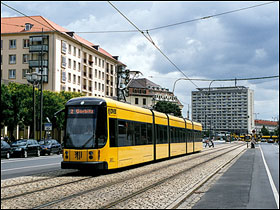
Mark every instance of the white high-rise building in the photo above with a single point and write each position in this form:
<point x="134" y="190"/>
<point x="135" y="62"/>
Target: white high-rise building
<point x="224" y="109"/>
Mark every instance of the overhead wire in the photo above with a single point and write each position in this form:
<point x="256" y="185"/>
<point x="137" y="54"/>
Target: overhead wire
<point x="225" y="80"/>
<point x="150" y="40"/>
<point x="165" y="26"/>
<point x="27" y="16"/>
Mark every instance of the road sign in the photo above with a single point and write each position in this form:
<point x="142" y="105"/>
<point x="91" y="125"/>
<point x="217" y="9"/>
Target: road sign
<point x="48" y="126"/>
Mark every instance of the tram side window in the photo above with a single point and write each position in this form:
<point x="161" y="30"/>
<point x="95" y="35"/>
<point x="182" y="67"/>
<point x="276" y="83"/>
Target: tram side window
<point x="144" y="140"/>
<point x="162" y="134"/>
<point x="112" y="128"/>
<point x="149" y="134"/>
<point x="122" y="133"/>
<point x="130" y="133"/>
<point x="137" y="133"/>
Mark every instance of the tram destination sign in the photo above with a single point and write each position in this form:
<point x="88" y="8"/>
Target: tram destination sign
<point x="81" y="111"/>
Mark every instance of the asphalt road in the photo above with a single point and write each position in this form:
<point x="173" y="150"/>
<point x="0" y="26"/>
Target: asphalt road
<point x="16" y="167"/>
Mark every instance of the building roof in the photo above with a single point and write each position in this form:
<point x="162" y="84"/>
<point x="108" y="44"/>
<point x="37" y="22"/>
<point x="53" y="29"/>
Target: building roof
<point x="266" y="122"/>
<point x="17" y="25"/>
<point x="142" y="83"/>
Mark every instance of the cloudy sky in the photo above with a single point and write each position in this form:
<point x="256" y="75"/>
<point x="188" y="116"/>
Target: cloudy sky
<point x="241" y="44"/>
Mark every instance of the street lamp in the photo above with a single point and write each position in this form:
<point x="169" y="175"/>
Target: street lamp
<point x="34" y="79"/>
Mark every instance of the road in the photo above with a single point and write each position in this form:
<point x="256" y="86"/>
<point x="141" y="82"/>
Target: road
<point x="16" y="167"/>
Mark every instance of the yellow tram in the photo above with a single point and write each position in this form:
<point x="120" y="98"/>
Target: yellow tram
<point x="102" y="133"/>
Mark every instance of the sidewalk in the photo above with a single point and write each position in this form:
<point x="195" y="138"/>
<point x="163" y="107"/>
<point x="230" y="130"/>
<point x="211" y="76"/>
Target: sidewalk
<point x="243" y="186"/>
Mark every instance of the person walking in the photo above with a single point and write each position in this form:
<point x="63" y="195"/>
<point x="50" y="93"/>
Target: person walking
<point x="207" y="143"/>
<point x="212" y="142"/>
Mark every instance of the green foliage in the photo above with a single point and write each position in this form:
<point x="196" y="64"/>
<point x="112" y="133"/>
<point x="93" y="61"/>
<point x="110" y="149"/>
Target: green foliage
<point x="17" y="105"/>
<point x="168" y="108"/>
<point x="264" y="131"/>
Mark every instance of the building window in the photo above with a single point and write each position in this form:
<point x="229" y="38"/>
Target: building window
<point x="24" y="72"/>
<point x="63" y="76"/>
<point x="69" y="49"/>
<point x="63" y="47"/>
<point x="1" y="44"/>
<point x="136" y="100"/>
<point x="69" y="63"/>
<point x="79" y="53"/>
<point x="79" y="80"/>
<point x="144" y="101"/>
<point x="25" y="58"/>
<point x="63" y="61"/>
<point x="79" y="66"/>
<point x="12" y="73"/>
<point x="12" y="59"/>
<point x="13" y="44"/>
<point x="74" y="65"/>
<point x="69" y="77"/>
<point x="74" y="49"/>
<point x="25" y="43"/>
<point x="74" y="78"/>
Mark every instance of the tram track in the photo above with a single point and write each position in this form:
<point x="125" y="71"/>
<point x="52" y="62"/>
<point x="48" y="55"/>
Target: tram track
<point x="44" y="180"/>
<point x="84" y="180"/>
<point x="124" y="182"/>
<point x="115" y="203"/>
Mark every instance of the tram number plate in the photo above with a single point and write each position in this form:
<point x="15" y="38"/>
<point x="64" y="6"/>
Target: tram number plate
<point x="78" y="155"/>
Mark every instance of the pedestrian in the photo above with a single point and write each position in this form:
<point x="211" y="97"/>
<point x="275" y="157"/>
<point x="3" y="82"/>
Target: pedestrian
<point x="212" y="142"/>
<point x="207" y="143"/>
<point x="253" y="142"/>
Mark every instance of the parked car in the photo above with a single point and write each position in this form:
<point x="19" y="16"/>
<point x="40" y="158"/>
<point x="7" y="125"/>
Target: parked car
<point x="26" y="147"/>
<point x="50" y="146"/>
<point x="263" y="140"/>
<point x="270" y="140"/>
<point x="6" y="150"/>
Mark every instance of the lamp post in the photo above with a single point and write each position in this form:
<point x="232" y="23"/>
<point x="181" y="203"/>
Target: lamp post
<point x="34" y="79"/>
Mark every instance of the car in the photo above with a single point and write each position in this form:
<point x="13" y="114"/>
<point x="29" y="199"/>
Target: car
<point x="26" y="147"/>
<point x="6" y="150"/>
<point x="263" y="140"/>
<point x="50" y="146"/>
<point x="270" y="141"/>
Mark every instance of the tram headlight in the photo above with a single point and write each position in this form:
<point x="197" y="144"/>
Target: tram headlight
<point x="90" y="155"/>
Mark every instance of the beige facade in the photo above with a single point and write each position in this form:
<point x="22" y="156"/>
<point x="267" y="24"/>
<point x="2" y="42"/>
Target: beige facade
<point x="70" y="62"/>
<point x="144" y="93"/>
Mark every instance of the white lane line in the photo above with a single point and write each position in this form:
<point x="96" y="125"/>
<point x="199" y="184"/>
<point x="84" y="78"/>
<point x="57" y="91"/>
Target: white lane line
<point x="12" y="160"/>
<point x="12" y="169"/>
<point x="274" y="190"/>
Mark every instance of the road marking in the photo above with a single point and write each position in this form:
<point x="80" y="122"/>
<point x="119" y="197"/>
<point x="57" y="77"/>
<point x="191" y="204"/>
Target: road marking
<point x="274" y="190"/>
<point x="29" y="159"/>
<point x="29" y="167"/>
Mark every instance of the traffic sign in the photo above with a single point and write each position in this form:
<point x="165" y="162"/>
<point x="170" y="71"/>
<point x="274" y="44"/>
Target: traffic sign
<point x="48" y="126"/>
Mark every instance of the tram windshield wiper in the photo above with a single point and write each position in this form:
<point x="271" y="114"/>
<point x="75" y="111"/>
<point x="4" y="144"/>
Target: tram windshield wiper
<point x="88" y="141"/>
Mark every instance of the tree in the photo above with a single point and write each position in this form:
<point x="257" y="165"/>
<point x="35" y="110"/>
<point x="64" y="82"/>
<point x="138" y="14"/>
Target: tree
<point x="264" y="131"/>
<point x="15" y="98"/>
<point x="168" y="108"/>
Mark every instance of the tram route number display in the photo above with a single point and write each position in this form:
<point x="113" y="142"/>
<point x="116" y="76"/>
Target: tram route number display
<point x="81" y="111"/>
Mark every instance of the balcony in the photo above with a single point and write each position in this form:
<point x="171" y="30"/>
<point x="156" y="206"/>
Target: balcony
<point x="38" y="48"/>
<point x="36" y="63"/>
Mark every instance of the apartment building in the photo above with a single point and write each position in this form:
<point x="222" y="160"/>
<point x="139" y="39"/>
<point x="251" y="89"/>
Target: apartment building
<point x="224" y="109"/>
<point x="271" y="126"/>
<point x="145" y="93"/>
<point x="68" y="62"/>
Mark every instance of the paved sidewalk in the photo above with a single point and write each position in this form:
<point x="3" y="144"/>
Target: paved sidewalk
<point x="244" y="185"/>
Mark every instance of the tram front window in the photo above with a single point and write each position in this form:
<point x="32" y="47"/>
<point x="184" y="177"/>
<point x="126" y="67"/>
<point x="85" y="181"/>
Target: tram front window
<point x="85" y="128"/>
<point x="80" y="132"/>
